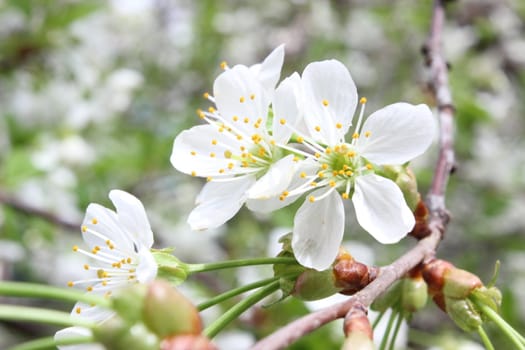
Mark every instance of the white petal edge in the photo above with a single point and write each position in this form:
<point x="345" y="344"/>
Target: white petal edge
<point x="269" y="71"/>
<point x="74" y="332"/>
<point x="218" y="202"/>
<point x="287" y="106"/>
<point x="318" y="230"/>
<point x="147" y="267"/>
<point x="381" y="208"/>
<point x="398" y="133"/>
<point x="132" y="215"/>
<point x="328" y="82"/>
<point x="276" y="179"/>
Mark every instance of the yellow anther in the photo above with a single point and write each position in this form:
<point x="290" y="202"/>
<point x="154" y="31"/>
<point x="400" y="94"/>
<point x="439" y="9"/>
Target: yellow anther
<point x="230" y="166"/>
<point x="128" y="260"/>
<point x="235" y="118"/>
<point x="324" y="166"/>
<point x="259" y="120"/>
<point x="239" y="137"/>
<point x="208" y="179"/>
<point x="362" y="100"/>
<point x="317" y="155"/>
<point x="241" y="99"/>
<point x="200" y="113"/>
<point x="211" y="110"/>
<point x="206" y="95"/>
<point x="75" y="248"/>
<point x="227" y="154"/>
<point x="335" y="173"/>
<point x="300" y="139"/>
<point x="325" y="103"/>
<point x="94" y="221"/>
<point x="212" y="155"/>
<point x="193" y="153"/>
<point x="331" y="183"/>
<point x="317" y="128"/>
<point x="355" y="135"/>
<point x="70" y="284"/>
<point x="369" y="166"/>
<point x="101" y="273"/>
<point x="345" y="167"/>
<point x="252" y="96"/>
<point x="86" y="267"/>
<point x="221" y="129"/>
<point x="295" y="159"/>
<point x="282" y="198"/>
<point x="339" y="125"/>
<point x="213" y="142"/>
<point x="246" y="120"/>
<point x="349" y="173"/>
<point x="337" y="148"/>
<point x="344" y="195"/>
<point x="104" y="283"/>
<point x="328" y="150"/>
<point x="224" y="65"/>
<point x="78" y="310"/>
<point x="341" y="172"/>
<point x="311" y="199"/>
<point x="368" y="133"/>
<point x="313" y="183"/>
<point x="193" y="173"/>
<point x="221" y="171"/>
<point x="320" y="175"/>
<point x="351" y="154"/>
<point x="84" y="228"/>
<point x="131" y="277"/>
<point x="282" y="121"/>
<point x="285" y="193"/>
<point x="89" y="288"/>
<point x="303" y="174"/>
<point x="272" y="142"/>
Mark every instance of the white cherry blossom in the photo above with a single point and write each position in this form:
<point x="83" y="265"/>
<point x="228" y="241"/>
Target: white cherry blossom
<point x="119" y="246"/>
<point x="393" y="135"/>
<point x="236" y="151"/>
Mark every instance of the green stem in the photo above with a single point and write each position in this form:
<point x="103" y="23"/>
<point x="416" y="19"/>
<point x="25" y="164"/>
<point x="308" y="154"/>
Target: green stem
<point x="193" y="268"/>
<point x="484" y="337"/>
<point x="214" y="328"/>
<point x="51" y="343"/>
<point x="33" y="290"/>
<point x="399" y="321"/>
<point x="513" y="336"/>
<point x="388" y="329"/>
<point x="231" y="293"/>
<point x="24" y="313"/>
<point x="378" y="319"/>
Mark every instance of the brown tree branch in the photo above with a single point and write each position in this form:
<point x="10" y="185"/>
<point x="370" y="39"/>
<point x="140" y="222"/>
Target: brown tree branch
<point x="438" y="218"/>
<point x="20" y="206"/>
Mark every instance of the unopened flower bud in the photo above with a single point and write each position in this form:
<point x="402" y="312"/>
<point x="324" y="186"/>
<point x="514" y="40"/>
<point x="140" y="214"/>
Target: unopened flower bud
<point x="463" y="313"/>
<point x="358" y="341"/>
<point x="434" y="273"/>
<point x="117" y="333"/>
<point x="352" y="276"/>
<point x="414" y="293"/>
<point x="460" y="283"/>
<point x="357" y="329"/>
<point x="168" y="312"/>
<point x="315" y="285"/>
<point x="128" y="302"/>
<point x="407" y="182"/>
<point x="187" y="342"/>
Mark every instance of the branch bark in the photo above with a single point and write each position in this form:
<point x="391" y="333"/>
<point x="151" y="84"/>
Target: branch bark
<point x="438" y="218"/>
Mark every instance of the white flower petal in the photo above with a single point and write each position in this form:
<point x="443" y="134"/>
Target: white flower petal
<point x="330" y="98"/>
<point x="132" y="217"/>
<point x="74" y="332"/>
<point x="147" y="267"/>
<point x="318" y="230"/>
<point x="218" y="202"/>
<point x="91" y="313"/>
<point x="276" y="179"/>
<point x="398" y="133"/>
<point x="195" y="152"/>
<point x="269" y="71"/>
<point x="381" y="208"/>
<point x="239" y="95"/>
<point x="287" y="107"/>
<point x="100" y="224"/>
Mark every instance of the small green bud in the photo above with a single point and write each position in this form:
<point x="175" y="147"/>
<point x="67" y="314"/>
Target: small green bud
<point x="388" y="298"/>
<point x="414" y="294"/>
<point x="168" y="312"/>
<point x="463" y="313"/>
<point x="117" y="334"/>
<point x="315" y="285"/>
<point x="407" y="182"/>
<point x="128" y="302"/>
<point x="490" y="297"/>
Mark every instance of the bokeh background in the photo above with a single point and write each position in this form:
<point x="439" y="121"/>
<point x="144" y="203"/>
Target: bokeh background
<point x="92" y="94"/>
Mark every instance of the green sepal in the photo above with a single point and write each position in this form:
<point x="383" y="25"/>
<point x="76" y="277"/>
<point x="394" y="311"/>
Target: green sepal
<point x="117" y="334"/>
<point x="314" y="285"/>
<point x="169" y="267"/>
<point x="490" y="297"/>
<point x="463" y="313"/>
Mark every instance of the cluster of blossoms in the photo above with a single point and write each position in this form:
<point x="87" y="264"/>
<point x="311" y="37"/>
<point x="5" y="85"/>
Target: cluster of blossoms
<point x="267" y="146"/>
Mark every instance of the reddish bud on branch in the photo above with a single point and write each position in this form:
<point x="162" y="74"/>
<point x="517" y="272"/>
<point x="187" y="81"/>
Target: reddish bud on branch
<point x="351" y="275"/>
<point x="187" y="342"/>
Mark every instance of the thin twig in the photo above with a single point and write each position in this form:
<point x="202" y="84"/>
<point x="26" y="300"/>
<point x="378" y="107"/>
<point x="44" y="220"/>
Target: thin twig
<point x="435" y="200"/>
<point x="27" y="209"/>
